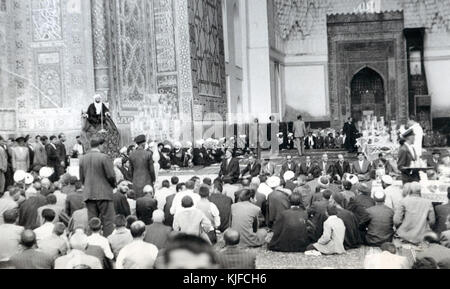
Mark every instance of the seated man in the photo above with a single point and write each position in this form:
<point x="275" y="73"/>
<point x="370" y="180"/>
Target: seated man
<point x="310" y="141"/>
<point x="332" y="240"/>
<point x="309" y="169"/>
<point x="442" y="213"/>
<point x="253" y="168"/>
<point x="381" y="164"/>
<point x="362" y="167"/>
<point x="435" y="160"/>
<point x="231" y="257"/>
<point x="387" y="259"/>
<point x="341" y="167"/>
<point x="268" y="168"/>
<point x="290" y="232"/>
<point x="230" y="168"/>
<point x="320" y="140"/>
<point x="326" y="167"/>
<point x="244" y="219"/>
<point x="288" y="165"/>
<point x="178" y="156"/>
<point x="414" y="216"/>
<point x="330" y="141"/>
<point x="381" y="225"/>
<point x="433" y="249"/>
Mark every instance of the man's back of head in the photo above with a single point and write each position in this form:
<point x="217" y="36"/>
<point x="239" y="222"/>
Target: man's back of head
<point x="28" y="239"/>
<point x="120" y="221"/>
<point x="10" y="216"/>
<point x="174" y="180"/>
<point x="137" y="229"/>
<point x="190" y="185"/>
<point x="95" y="225"/>
<point x="59" y="229"/>
<point x="48" y="215"/>
<point x="231" y="237"/>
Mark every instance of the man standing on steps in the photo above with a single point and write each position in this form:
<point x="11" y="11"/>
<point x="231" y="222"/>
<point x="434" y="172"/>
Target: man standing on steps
<point x="299" y="134"/>
<point x="98" y="177"/>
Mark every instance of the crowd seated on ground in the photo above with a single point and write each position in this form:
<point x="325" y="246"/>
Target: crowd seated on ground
<point x="319" y="207"/>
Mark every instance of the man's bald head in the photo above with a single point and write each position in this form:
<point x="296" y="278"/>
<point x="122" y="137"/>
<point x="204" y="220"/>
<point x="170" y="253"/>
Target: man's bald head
<point x="232" y="237"/>
<point x="148" y="190"/>
<point x="28" y="238"/>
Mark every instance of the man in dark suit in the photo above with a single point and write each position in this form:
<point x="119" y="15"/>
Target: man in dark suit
<point x="98" y="177"/>
<point x="253" y="168"/>
<point x="146" y="205"/>
<point x="341" y="167"/>
<point x="121" y="205"/>
<point x="326" y="167"/>
<point x="62" y="154"/>
<point x="435" y="160"/>
<point x="288" y="165"/>
<point x="53" y="160"/>
<point x="310" y="141"/>
<point x="290" y="232"/>
<point x="141" y="165"/>
<point x="308" y="169"/>
<point x="442" y="212"/>
<point x="232" y="257"/>
<point x="277" y="201"/>
<point x="223" y="204"/>
<point x="406" y="156"/>
<point x="230" y="168"/>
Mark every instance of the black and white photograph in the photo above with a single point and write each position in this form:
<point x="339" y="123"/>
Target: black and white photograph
<point x="249" y="135"/>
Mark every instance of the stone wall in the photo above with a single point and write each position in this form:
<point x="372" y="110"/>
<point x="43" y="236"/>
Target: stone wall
<point x="300" y="38"/>
<point x="47" y="73"/>
<point x="207" y="58"/>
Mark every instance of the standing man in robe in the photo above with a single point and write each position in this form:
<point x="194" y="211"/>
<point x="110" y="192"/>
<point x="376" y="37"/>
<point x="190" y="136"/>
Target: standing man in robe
<point x="406" y="156"/>
<point x="141" y="165"/>
<point x="350" y="132"/>
<point x="20" y="156"/>
<point x="299" y="134"/>
<point x="53" y="160"/>
<point x="418" y="131"/>
<point x="62" y="154"/>
<point x="40" y="154"/>
<point x="99" y="179"/>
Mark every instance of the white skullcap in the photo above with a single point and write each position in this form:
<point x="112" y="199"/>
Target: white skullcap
<point x="289" y="175"/>
<point x="387" y="180"/>
<point x="273" y="182"/>
<point x="379" y="196"/>
<point x="19" y="176"/>
<point x="158" y="216"/>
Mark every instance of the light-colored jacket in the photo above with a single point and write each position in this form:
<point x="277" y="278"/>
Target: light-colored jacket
<point x="20" y="158"/>
<point x="299" y="128"/>
<point x="413" y="217"/>
<point x="332" y="240"/>
<point x="192" y="221"/>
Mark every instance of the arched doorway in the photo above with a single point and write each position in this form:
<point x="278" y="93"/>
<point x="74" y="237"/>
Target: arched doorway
<point x="367" y="94"/>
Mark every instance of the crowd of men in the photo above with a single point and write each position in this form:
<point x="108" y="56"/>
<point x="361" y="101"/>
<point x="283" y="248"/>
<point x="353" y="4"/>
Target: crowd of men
<point x="116" y="215"/>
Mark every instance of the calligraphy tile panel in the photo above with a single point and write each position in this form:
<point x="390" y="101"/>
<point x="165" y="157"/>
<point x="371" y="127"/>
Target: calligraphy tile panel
<point x="46" y="20"/>
<point x="164" y="35"/>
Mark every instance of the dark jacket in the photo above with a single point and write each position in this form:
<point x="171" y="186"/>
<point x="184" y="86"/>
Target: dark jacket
<point x="253" y="170"/>
<point x="442" y="212"/>
<point x="353" y="238"/>
<point x="157" y="234"/>
<point x="223" y="204"/>
<point x="277" y="202"/>
<point x="142" y="169"/>
<point x="52" y="156"/>
<point x="98" y="176"/>
<point x="94" y="118"/>
<point x="168" y="217"/>
<point x="290" y="232"/>
<point x="231" y="170"/>
<point x="28" y="215"/>
<point x="405" y="158"/>
<point x="144" y="209"/>
<point x="121" y="205"/>
<point x="341" y="169"/>
<point x="312" y="169"/>
<point x="381" y="225"/>
<point x="74" y="202"/>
